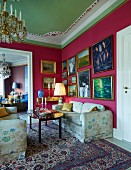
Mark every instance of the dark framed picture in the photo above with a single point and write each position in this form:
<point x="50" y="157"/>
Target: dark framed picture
<point x="64" y="65"/>
<point x="48" y="82"/>
<point x="84" y="89"/>
<point x="83" y="58"/>
<point x="102" y="54"/>
<point x="72" y="65"/>
<point x="103" y="88"/>
<point x="64" y="74"/>
<point x="72" y="90"/>
<point x="65" y="82"/>
<point x="48" y="66"/>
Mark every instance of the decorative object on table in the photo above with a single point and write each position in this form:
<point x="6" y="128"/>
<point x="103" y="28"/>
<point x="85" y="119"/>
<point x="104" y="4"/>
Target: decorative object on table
<point x="40" y="93"/>
<point x="5" y="71"/>
<point x="65" y="82"/>
<point x="59" y="91"/>
<point x="48" y="66"/>
<point x="64" y="65"/>
<point x="103" y="88"/>
<point x="12" y="28"/>
<point x="72" y="65"/>
<point x="64" y="74"/>
<point x="102" y="54"/>
<point x="83" y="58"/>
<point x="84" y="83"/>
<point x="72" y="90"/>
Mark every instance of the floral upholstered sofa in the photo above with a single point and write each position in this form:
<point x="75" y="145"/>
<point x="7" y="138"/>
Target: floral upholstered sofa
<point x="87" y="121"/>
<point x="13" y="135"/>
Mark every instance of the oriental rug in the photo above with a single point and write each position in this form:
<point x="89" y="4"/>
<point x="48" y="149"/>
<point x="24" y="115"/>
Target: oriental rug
<point x="68" y="153"/>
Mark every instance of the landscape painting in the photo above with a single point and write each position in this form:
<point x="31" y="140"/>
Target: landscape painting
<point x="103" y="88"/>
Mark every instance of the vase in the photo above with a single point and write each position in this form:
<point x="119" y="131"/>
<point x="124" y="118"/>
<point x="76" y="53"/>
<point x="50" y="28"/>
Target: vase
<point x="40" y="93"/>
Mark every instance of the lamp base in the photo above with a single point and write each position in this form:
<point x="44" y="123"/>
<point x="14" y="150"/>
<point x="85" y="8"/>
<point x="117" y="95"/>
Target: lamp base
<point x="60" y="100"/>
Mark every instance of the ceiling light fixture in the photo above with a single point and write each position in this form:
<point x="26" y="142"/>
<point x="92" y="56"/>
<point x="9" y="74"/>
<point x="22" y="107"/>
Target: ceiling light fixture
<point x="5" y="71"/>
<point x="12" y="28"/>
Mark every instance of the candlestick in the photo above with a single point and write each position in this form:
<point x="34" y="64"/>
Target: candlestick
<point x="45" y="102"/>
<point x="20" y="16"/>
<point x="42" y="100"/>
<point x="48" y="85"/>
<point x="15" y="13"/>
<point x="5" y="6"/>
<point x="11" y="9"/>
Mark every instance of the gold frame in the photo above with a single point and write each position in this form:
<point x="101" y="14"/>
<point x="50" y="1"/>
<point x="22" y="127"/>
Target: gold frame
<point x="48" y="65"/>
<point x="69" y="90"/>
<point x="45" y="84"/>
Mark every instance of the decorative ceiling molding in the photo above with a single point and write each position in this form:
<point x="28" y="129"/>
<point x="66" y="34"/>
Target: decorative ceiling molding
<point x="84" y="21"/>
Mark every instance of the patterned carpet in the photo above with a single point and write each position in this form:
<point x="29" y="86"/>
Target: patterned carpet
<point x="68" y="153"/>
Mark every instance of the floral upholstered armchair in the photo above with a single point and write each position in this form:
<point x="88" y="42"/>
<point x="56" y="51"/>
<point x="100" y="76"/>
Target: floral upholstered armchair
<point x="13" y="135"/>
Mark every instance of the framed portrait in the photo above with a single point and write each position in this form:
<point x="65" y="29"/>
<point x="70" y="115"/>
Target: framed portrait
<point x="84" y="89"/>
<point x="48" y="82"/>
<point x="83" y="58"/>
<point x="103" y="88"/>
<point x="102" y="55"/>
<point x="64" y="65"/>
<point x="64" y="74"/>
<point x="72" y="65"/>
<point x="72" y="90"/>
<point x="48" y="66"/>
<point x="65" y="82"/>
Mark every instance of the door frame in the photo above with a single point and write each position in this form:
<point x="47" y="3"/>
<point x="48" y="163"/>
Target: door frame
<point x="118" y="132"/>
<point x="27" y="54"/>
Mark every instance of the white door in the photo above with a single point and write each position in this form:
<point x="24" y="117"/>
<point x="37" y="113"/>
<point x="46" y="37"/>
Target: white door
<point x="127" y="89"/>
<point x="123" y="130"/>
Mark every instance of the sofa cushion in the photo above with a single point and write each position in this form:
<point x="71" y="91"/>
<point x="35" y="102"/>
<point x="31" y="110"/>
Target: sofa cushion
<point x="11" y="110"/>
<point x="73" y="117"/>
<point x="87" y="107"/>
<point x="77" y="106"/>
<point x="3" y="112"/>
<point x="67" y="106"/>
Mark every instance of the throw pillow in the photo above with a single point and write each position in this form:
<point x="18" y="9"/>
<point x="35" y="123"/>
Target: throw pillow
<point x="3" y="112"/>
<point x="67" y="107"/>
<point x="94" y="109"/>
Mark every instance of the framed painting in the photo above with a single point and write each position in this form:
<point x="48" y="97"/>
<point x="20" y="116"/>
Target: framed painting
<point x="72" y="80"/>
<point x="65" y="82"/>
<point x="64" y="65"/>
<point x="103" y="88"/>
<point x="84" y="89"/>
<point x="64" y="74"/>
<point x="72" y="65"/>
<point x="48" y="82"/>
<point x="72" y="90"/>
<point x="83" y="58"/>
<point x="48" y="66"/>
<point x="102" y="55"/>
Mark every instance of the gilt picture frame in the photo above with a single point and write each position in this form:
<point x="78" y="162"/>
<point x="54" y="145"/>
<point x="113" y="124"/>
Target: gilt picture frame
<point x="103" y="88"/>
<point x="64" y="65"/>
<point x="48" y="67"/>
<point x="102" y="55"/>
<point x="48" y="82"/>
<point x="72" y="65"/>
<point x="72" y="90"/>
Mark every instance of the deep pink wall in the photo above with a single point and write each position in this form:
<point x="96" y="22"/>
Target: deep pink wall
<point x="40" y="53"/>
<point x="109" y="25"/>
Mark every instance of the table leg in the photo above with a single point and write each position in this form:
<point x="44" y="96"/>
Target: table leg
<point x="30" y="123"/>
<point x="60" y="132"/>
<point x="46" y="123"/>
<point x="39" y="131"/>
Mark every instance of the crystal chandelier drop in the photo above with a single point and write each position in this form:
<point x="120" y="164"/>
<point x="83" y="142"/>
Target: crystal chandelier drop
<point x="12" y="28"/>
<point x="5" y="71"/>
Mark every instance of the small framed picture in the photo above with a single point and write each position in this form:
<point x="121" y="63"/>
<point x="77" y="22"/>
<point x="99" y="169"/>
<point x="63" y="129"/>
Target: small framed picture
<point x="103" y="88"/>
<point x="83" y="58"/>
<point x="48" y="66"/>
<point x="65" y="82"/>
<point x="64" y="65"/>
<point x="48" y="82"/>
<point x="72" y="65"/>
<point x="64" y="74"/>
<point x="102" y="55"/>
<point x="72" y="90"/>
<point x="84" y="89"/>
<point x="72" y="80"/>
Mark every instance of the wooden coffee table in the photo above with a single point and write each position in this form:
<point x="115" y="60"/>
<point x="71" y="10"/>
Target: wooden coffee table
<point x="52" y="116"/>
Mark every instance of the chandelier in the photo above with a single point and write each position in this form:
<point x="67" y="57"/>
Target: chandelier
<point x="5" y="71"/>
<point x="12" y="28"/>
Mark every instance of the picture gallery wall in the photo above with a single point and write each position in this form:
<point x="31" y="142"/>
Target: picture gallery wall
<point x="76" y="72"/>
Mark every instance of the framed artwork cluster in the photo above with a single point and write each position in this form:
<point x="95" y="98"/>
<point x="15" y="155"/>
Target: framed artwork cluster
<point x="77" y="72"/>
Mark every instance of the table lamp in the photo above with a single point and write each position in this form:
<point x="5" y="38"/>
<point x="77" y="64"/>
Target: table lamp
<point x="59" y="91"/>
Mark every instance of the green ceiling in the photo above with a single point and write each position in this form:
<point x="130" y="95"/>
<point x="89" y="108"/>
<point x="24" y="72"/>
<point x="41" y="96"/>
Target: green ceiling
<point x="43" y="16"/>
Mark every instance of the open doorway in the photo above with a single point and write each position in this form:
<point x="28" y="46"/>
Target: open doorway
<point x="28" y="56"/>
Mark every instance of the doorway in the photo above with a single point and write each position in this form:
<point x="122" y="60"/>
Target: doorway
<point x="123" y="85"/>
<point x="30" y="71"/>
